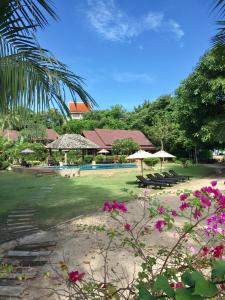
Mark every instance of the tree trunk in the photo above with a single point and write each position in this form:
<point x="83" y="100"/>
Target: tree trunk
<point x="196" y="156"/>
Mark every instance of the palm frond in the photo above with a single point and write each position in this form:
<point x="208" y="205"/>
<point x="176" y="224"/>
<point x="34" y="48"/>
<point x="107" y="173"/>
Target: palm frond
<point x="219" y="7"/>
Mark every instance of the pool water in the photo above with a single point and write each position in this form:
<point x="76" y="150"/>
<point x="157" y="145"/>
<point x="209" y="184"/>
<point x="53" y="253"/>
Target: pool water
<point x="95" y="167"/>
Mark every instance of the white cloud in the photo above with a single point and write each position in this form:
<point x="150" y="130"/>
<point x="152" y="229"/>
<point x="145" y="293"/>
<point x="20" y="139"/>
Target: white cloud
<point x="126" y="77"/>
<point x="175" y="28"/>
<point x="115" y="25"/>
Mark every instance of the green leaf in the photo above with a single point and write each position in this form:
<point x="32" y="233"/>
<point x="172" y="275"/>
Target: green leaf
<point x="144" y="294"/>
<point x="218" y="269"/>
<point x="203" y="287"/>
<point x="186" y="294"/>
<point x="187" y="280"/>
<point x="161" y="284"/>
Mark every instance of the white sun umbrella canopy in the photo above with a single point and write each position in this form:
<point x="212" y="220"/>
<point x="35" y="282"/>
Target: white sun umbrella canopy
<point x="103" y="151"/>
<point x="27" y="151"/>
<point x="162" y="154"/>
<point x="141" y="154"/>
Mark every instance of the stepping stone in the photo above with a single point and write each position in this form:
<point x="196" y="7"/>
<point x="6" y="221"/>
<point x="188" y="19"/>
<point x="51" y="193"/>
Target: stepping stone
<point x="16" y="227"/>
<point x="35" y="246"/>
<point x="13" y="276"/>
<point x="19" y="216"/>
<point x="29" y="262"/>
<point x="34" y="228"/>
<point x="11" y="291"/>
<point x="15" y="253"/>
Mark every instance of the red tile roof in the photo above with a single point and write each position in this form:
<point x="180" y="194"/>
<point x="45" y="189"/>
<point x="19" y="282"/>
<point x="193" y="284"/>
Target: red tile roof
<point x="78" y="107"/>
<point x="104" y="138"/>
<point x="51" y="134"/>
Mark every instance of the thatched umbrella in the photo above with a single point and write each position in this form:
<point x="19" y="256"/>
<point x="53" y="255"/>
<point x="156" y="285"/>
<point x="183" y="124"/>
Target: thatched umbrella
<point x="141" y="155"/>
<point x="162" y="154"/>
<point x="68" y="142"/>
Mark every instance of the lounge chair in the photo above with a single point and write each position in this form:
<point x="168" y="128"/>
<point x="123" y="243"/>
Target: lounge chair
<point x="161" y="177"/>
<point x="178" y="175"/>
<point x="143" y="182"/>
<point x="155" y="178"/>
<point x="170" y="176"/>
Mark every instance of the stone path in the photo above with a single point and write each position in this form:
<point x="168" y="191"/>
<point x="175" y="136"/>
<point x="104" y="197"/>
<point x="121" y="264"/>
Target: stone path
<point x="26" y="259"/>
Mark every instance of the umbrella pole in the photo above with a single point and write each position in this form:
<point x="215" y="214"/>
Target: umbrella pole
<point x="161" y="160"/>
<point x="142" y="167"/>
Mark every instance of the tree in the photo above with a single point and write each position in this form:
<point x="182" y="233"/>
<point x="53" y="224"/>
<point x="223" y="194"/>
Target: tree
<point x="29" y="75"/>
<point x="124" y="146"/>
<point x="33" y="131"/>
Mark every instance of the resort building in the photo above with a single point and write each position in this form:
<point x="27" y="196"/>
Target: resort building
<point x="13" y="135"/>
<point x="77" y="110"/>
<point x="104" y="138"/>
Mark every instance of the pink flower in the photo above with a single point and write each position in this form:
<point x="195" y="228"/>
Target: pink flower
<point x="213" y="182"/>
<point x="75" y="276"/>
<point x="197" y="214"/>
<point x="205" y="201"/>
<point x="159" y="225"/>
<point x="176" y="285"/>
<point x="127" y="226"/>
<point x="161" y="210"/>
<point x="205" y="251"/>
<point x="183" y="197"/>
<point x="115" y="205"/>
<point x="218" y="251"/>
<point x="184" y="205"/>
<point x="174" y="213"/>
<point x="197" y="193"/>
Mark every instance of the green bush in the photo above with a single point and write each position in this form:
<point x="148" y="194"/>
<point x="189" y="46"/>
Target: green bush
<point x="34" y="162"/>
<point x="88" y="159"/>
<point x="151" y="162"/>
<point x="4" y="165"/>
<point x="104" y="159"/>
<point x="122" y="159"/>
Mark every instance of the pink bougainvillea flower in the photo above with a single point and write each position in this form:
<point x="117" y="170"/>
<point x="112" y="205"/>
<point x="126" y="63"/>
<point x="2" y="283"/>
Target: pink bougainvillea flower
<point x="213" y="182"/>
<point x="159" y="225"/>
<point x="115" y="205"/>
<point x="176" y="285"/>
<point x="205" y="201"/>
<point x="174" y="213"/>
<point x="197" y="193"/>
<point x="75" y="276"/>
<point x="161" y="210"/>
<point x="205" y="251"/>
<point x="184" y="205"/>
<point x="197" y="214"/>
<point x="218" y="251"/>
<point x="183" y="197"/>
<point x="127" y="226"/>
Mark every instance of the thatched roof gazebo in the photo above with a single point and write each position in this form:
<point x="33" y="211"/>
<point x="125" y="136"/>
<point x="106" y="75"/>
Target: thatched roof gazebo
<point x="68" y="142"/>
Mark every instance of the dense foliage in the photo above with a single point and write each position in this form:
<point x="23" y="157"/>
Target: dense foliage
<point x="124" y="146"/>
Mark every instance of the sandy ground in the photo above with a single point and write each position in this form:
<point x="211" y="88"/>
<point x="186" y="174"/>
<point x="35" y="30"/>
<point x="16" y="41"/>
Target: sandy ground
<point x="81" y="248"/>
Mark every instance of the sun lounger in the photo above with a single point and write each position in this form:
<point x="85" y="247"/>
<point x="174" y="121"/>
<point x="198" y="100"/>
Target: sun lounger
<point x="178" y="175"/>
<point x="154" y="178"/>
<point x="170" y="176"/>
<point x="161" y="177"/>
<point x="143" y="182"/>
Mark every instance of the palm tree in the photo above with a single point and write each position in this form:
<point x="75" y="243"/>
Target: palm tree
<point x="219" y="38"/>
<point x="30" y="76"/>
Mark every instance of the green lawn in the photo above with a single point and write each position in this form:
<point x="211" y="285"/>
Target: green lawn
<point x="69" y="198"/>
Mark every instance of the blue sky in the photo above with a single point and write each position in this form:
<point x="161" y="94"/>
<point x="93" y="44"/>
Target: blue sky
<point x="130" y="50"/>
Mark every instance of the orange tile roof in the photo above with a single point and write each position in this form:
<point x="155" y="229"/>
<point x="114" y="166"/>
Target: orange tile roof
<point x="78" y="107"/>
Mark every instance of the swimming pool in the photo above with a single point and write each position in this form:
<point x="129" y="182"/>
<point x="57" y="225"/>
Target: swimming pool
<point x="95" y="167"/>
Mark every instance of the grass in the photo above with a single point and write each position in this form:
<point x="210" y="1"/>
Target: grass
<point x="58" y="199"/>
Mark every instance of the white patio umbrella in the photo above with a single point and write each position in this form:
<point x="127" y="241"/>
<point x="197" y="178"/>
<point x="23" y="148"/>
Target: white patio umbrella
<point x="27" y="151"/>
<point x="103" y="151"/>
<point x="141" y="154"/>
<point x="162" y="154"/>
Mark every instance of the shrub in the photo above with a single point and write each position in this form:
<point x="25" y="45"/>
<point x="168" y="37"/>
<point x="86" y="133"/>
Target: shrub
<point x="88" y="159"/>
<point x="151" y="162"/>
<point x="34" y="162"/>
<point x="4" y="164"/>
<point x="122" y="159"/>
<point x="102" y="159"/>
<point x="99" y="159"/>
